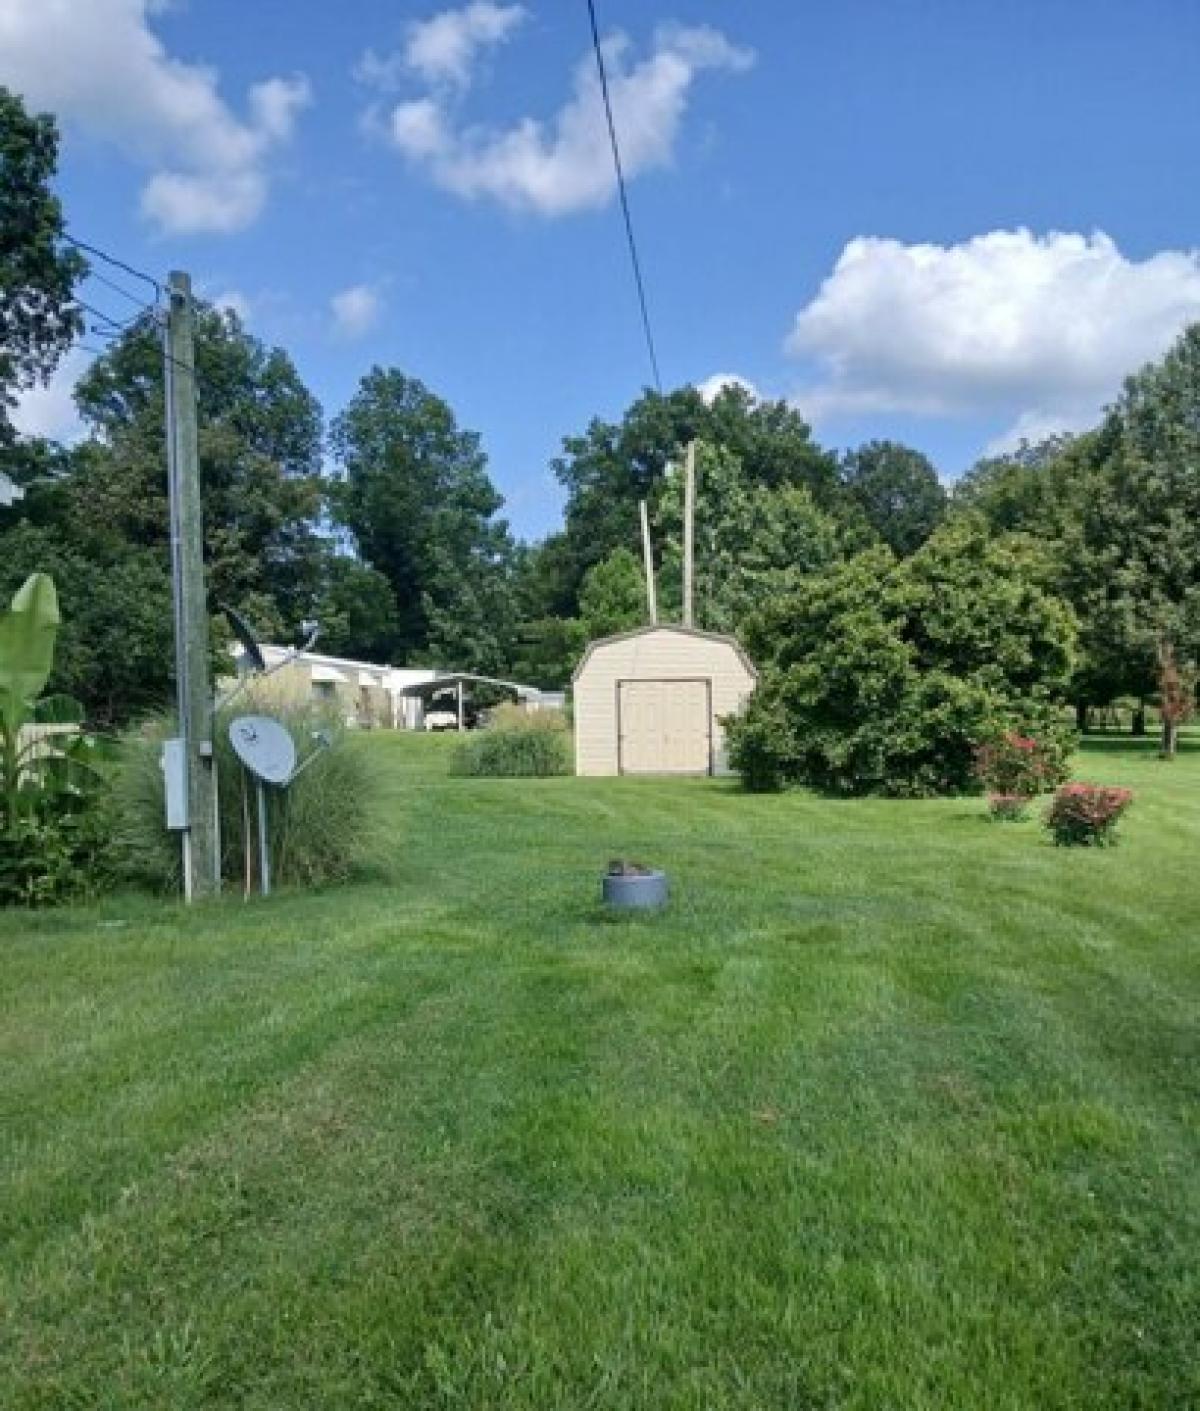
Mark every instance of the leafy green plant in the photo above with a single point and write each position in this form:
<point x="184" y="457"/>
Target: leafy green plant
<point x="51" y="774"/>
<point x="321" y="826"/>
<point x="882" y="676"/>
<point x="1086" y="815"/>
<point x="27" y="633"/>
<point x="517" y="744"/>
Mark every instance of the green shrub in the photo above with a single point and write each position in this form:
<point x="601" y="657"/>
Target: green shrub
<point x="321" y="827"/>
<point x="58" y="857"/>
<point x="1086" y="815"/>
<point x="517" y="744"/>
<point x="883" y="677"/>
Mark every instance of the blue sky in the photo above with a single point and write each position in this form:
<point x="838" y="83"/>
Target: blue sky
<point x="948" y="221"/>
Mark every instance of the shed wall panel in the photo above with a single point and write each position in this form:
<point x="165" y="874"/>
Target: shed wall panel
<point x="661" y="654"/>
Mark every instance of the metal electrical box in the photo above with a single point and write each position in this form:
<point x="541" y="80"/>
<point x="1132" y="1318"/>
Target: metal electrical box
<point x="174" y="768"/>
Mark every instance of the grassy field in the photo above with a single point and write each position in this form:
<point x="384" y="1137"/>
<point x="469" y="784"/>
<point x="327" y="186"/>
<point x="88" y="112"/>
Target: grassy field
<point x="896" y="1108"/>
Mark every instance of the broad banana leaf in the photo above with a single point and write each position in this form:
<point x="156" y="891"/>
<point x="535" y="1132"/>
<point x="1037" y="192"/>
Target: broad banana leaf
<point x="27" y="634"/>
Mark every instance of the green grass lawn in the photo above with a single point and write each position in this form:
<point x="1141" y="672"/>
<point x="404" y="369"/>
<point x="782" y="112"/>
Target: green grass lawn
<point x="896" y="1108"/>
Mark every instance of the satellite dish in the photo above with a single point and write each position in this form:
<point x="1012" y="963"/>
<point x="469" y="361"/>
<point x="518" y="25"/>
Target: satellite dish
<point x="264" y="747"/>
<point x="245" y="635"/>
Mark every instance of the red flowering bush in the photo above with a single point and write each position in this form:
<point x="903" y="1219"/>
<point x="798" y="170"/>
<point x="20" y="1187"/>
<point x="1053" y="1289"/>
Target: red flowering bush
<point x="1086" y="815"/>
<point x="1013" y="768"/>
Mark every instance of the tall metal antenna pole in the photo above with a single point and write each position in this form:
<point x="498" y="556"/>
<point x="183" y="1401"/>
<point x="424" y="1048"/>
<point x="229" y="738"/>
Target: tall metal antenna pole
<point x="201" y="869"/>
<point x="648" y="559"/>
<point x="689" y="529"/>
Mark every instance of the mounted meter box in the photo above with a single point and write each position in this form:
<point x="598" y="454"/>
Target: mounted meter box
<point x="174" y="768"/>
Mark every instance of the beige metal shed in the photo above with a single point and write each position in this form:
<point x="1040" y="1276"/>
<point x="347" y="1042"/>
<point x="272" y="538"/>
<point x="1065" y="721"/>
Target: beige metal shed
<point x="651" y="701"/>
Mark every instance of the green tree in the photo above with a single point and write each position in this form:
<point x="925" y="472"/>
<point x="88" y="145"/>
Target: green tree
<point x="38" y="272"/>
<point x="613" y="465"/>
<point x="753" y="541"/>
<point x="414" y="492"/>
<point x="260" y="446"/>
<point x="1020" y="491"/>
<point x="1081" y="498"/>
<point x="883" y="675"/>
<point x="96" y="517"/>
<point x="613" y="597"/>
<point x="356" y="610"/>
<point x="897" y="490"/>
<point x="115" y="647"/>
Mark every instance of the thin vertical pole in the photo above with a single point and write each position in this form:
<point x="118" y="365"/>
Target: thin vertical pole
<point x="264" y="851"/>
<point x="201" y="866"/>
<point x="689" y="529"/>
<point x="460" y="704"/>
<point x="648" y="559"/>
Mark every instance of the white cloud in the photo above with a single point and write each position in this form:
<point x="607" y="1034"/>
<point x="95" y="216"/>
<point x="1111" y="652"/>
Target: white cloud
<point x="1039" y="330"/>
<point x="228" y="300"/>
<point x="565" y="165"/>
<point x="712" y="386"/>
<point x="356" y="310"/>
<point x="443" y="49"/>
<point x="49" y="411"/>
<point x="99" y="66"/>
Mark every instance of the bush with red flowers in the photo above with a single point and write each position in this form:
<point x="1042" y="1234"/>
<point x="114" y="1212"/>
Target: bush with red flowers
<point x="1086" y="815"/>
<point x="1013" y="769"/>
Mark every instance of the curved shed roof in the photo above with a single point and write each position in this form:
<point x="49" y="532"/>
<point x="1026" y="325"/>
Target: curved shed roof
<point x="674" y="627"/>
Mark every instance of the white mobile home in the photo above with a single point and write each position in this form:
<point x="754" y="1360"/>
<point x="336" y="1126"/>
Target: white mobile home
<point x="651" y="701"/>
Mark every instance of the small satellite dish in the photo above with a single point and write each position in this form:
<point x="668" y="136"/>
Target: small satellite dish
<point x="264" y="747"/>
<point x="245" y="635"/>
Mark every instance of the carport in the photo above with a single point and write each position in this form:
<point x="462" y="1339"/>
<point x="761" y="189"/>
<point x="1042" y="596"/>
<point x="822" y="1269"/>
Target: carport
<point x="460" y="683"/>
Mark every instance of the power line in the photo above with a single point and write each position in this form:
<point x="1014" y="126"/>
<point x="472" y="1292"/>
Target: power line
<point x="115" y="325"/>
<point x="616" y="151"/>
<point x="116" y="263"/>
<point x="118" y="289"/>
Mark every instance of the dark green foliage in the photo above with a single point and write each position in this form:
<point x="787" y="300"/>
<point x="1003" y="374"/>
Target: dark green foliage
<point x="38" y="272"/>
<point x="898" y="491"/>
<point x="414" y="492"/>
<point x="612" y="466"/>
<point x="115" y="646"/>
<point x="884" y="676"/>
<point x="516" y="745"/>
<point x="1119" y="511"/>
<point x="753" y="542"/>
<point x="96" y="517"/>
<point x="260" y="467"/>
<point x="62" y="855"/>
<point x="613" y="596"/>
<point x="321" y="826"/>
<point x="357" y="611"/>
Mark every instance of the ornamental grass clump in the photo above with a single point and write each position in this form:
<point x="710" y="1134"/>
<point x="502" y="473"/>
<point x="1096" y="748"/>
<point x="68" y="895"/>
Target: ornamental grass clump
<point x="1014" y="769"/>
<point x="517" y="744"/>
<point x="1086" y="815"/>
<point x="323" y="827"/>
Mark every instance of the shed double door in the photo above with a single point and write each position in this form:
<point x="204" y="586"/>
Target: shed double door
<point x="664" y="727"/>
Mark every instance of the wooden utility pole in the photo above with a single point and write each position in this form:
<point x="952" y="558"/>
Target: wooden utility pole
<point x="689" y="529"/>
<point x="193" y="690"/>
<point x="648" y="559"/>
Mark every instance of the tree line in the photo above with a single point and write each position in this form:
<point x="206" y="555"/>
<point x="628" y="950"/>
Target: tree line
<point x="1073" y="565"/>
